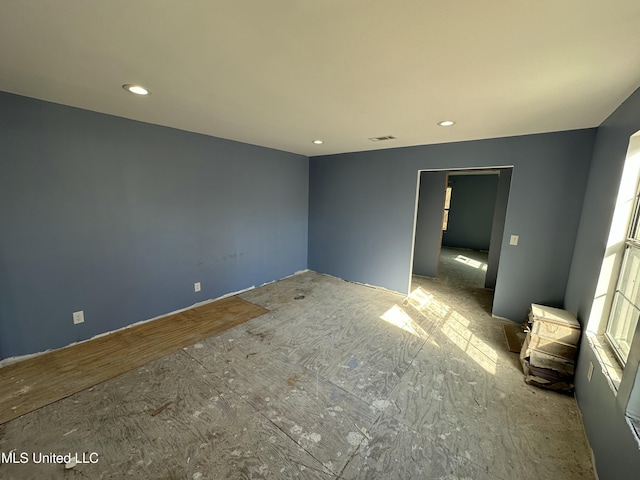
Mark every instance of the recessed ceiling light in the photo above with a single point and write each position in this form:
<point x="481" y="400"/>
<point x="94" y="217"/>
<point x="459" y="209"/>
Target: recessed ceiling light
<point x="137" y="89"/>
<point x="446" y="123"/>
<point x="318" y="142"/>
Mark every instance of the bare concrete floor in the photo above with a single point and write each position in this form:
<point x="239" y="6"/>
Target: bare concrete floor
<point x="337" y="381"/>
<point x="462" y="267"/>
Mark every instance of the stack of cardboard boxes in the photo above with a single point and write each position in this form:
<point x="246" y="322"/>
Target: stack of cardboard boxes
<point x="550" y="347"/>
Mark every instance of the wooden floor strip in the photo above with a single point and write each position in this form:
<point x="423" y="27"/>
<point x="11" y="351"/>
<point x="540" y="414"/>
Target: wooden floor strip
<point x="33" y="383"/>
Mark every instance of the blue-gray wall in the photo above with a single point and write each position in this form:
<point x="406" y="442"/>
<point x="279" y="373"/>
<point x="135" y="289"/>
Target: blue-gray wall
<point x="428" y="237"/>
<point x="473" y="201"/>
<point x="616" y="452"/>
<point x="119" y="218"/>
<point x="361" y="212"/>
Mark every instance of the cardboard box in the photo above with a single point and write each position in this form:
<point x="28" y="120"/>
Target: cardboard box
<point x="553" y="347"/>
<point x="554" y="324"/>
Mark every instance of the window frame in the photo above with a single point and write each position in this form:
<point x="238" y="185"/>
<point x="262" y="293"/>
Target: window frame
<point x="631" y="245"/>
<point x="447" y="206"/>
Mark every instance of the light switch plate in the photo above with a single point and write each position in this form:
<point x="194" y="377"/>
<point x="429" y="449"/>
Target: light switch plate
<point x="78" y="317"/>
<point x="514" y="239"/>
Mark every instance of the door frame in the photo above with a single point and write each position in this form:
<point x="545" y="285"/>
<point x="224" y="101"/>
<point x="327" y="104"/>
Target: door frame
<point x="494" y="226"/>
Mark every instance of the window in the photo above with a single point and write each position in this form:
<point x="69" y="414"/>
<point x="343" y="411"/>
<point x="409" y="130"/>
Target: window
<point x="447" y="204"/>
<point x="622" y="261"/>
<point x="625" y="309"/>
<point x="613" y="320"/>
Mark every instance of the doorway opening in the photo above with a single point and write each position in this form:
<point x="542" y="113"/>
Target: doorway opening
<point x="459" y="225"/>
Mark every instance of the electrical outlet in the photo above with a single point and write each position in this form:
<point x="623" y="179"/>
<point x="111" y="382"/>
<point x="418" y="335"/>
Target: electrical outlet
<point x="590" y="371"/>
<point x="514" y="239"/>
<point x="196" y="286"/>
<point x="78" y="317"/>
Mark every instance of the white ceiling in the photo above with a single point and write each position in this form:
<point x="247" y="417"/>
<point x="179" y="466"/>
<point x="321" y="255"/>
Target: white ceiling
<point x="281" y="73"/>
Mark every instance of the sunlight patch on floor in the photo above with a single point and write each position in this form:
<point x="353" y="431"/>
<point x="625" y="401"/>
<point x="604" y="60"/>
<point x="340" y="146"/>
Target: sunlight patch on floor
<point x="427" y="305"/>
<point x="397" y="317"/>
<point x="471" y="262"/>
<point x="456" y="329"/>
<point x="454" y="325"/>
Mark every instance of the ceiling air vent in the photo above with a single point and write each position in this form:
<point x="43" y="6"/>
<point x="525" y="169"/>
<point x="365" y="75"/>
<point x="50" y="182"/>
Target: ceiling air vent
<point x="382" y="139"/>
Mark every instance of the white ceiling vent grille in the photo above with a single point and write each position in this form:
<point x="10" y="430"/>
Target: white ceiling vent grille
<point x="382" y="139"/>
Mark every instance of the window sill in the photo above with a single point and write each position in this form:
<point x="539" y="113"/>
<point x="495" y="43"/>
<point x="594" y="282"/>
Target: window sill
<point x="607" y="359"/>
<point x="634" y="425"/>
<point x="613" y="373"/>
